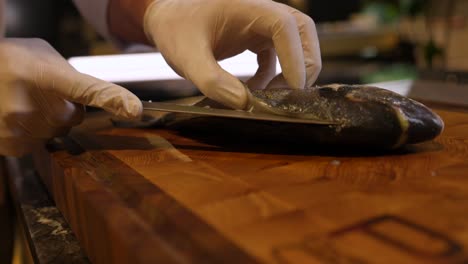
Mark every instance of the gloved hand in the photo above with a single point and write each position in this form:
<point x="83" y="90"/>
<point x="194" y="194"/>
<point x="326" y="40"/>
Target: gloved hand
<point x="193" y="34"/>
<point x="41" y="95"/>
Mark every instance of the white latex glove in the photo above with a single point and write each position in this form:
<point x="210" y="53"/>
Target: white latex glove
<point x="41" y="95"/>
<point x="193" y="34"/>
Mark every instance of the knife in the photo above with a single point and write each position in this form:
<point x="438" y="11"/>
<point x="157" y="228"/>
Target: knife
<point x="226" y="113"/>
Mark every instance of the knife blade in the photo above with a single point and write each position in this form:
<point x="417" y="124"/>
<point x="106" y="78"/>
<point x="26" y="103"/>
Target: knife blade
<point x="239" y="114"/>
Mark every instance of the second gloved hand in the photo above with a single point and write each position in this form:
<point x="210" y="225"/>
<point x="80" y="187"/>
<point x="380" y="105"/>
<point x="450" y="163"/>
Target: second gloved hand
<point x="42" y="96"/>
<point x="193" y="34"/>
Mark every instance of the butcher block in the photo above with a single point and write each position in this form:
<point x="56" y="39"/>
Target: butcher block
<point x="163" y="195"/>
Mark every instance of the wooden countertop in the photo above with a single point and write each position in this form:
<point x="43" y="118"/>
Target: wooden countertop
<point x="161" y="196"/>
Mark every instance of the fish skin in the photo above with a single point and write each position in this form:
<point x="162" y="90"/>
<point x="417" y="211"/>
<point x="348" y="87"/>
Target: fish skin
<point x="365" y="117"/>
<point x="384" y="117"/>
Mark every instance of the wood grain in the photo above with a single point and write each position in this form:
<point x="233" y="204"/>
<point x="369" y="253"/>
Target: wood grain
<point x="147" y="195"/>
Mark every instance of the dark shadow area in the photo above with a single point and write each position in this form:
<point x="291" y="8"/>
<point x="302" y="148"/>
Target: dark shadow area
<point x="236" y="136"/>
<point x="234" y="141"/>
<point x="98" y="142"/>
<point x="6" y="218"/>
<point x="265" y="138"/>
<point x="56" y="21"/>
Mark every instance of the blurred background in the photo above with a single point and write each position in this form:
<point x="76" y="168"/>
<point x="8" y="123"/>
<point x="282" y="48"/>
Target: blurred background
<point x="362" y="41"/>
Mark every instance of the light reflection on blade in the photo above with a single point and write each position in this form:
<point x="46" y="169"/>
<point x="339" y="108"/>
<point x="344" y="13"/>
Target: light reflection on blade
<point x="205" y="111"/>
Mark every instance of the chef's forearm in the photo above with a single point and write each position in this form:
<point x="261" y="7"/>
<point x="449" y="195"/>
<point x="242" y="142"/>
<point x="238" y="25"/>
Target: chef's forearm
<point x="95" y="12"/>
<point x="125" y="19"/>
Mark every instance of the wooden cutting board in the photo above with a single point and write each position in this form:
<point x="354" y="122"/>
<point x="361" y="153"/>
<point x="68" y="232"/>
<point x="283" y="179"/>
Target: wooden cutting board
<point x="162" y="196"/>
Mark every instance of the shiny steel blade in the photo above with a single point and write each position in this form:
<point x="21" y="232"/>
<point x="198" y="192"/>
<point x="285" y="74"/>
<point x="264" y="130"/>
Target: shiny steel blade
<point x="206" y="111"/>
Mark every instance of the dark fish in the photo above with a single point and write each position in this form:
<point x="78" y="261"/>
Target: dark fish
<point x="362" y="116"/>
